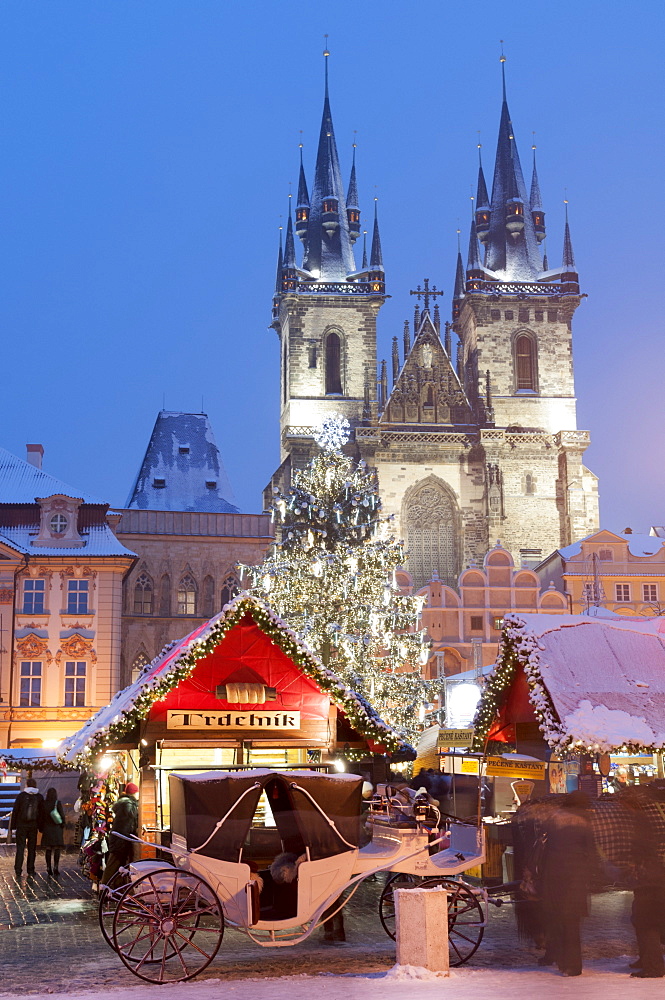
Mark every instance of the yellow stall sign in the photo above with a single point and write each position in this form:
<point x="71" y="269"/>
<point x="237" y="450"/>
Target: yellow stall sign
<point x="507" y="768"/>
<point x="469" y="766"/>
<point x="455" y="738"/>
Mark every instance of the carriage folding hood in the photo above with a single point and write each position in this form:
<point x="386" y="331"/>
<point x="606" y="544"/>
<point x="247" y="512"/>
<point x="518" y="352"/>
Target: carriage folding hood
<point x="199" y="802"/>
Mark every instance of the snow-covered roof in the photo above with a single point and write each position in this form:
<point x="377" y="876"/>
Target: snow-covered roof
<point x="166" y="671"/>
<point x="638" y="545"/>
<point x="21" y="482"/>
<point x="182" y="469"/>
<point x="598" y="683"/>
<point x="99" y="540"/>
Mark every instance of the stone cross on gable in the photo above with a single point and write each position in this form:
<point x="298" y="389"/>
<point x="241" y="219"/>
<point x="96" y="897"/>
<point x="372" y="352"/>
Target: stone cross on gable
<point x="426" y="293"/>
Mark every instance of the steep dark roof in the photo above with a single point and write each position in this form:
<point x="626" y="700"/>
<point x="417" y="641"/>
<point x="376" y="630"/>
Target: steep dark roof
<point x="328" y="257"/>
<point x="182" y="468"/>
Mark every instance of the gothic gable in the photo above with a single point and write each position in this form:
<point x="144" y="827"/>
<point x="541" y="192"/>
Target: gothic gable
<point x="427" y="390"/>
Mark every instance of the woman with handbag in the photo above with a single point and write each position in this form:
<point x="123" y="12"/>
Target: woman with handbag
<point x="53" y="830"/>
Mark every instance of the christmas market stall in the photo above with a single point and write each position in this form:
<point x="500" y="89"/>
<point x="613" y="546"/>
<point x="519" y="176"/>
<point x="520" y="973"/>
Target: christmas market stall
<point x="240" y="691"/>
<point x="585" y="694"/>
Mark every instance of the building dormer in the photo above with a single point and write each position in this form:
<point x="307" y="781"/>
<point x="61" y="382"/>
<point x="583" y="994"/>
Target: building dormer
<point x="58" y="522"/>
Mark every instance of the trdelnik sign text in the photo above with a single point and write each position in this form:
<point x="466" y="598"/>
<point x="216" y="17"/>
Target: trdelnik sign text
<point x="232" y="720"/>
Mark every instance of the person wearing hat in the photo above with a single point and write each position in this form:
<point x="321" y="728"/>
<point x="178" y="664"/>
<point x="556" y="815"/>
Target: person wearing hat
<point x="125" y="824"/>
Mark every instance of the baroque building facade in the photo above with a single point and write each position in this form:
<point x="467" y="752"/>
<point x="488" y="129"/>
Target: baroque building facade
<point x="61" y="573"/>
<point x="471" y="442"/>
<point x="188" y="535"/>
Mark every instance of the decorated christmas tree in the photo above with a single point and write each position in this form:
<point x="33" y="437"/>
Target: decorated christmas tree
<point x="331" y="577"/>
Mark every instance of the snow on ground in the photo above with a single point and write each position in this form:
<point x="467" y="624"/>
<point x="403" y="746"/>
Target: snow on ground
<point x="601" y="980"/>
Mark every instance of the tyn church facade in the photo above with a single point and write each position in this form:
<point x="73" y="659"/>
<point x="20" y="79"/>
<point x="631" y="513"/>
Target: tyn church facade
<point x="471" y="444"/>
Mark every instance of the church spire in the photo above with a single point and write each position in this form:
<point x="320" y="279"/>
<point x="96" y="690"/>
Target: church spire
<point x="482" y="202"/>
<point x="376" y="254"/>
<point x="536" y="202"/>
<point x="280" y="264"/>
<point x="302" y="203"/>
<point x="365" y="265"/>
<point x="473" y="260"/>
<point x="328" y="255"/>
<point x="458" y="290"/>
<point x="352" y="208"/>
<point x="512" y="246"/>
<point x="568" y="256"/>
<point x="289" y="245"/>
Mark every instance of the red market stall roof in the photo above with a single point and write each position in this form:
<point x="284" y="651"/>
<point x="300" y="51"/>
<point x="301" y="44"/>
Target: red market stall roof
<point x="246" y="643"/>
<point x="590" y="683"/>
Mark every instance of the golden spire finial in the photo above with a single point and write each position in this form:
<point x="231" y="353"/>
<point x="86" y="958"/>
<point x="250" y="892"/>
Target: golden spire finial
<point x="533" y="141"/>
<point x="502" y="57"/>
<point x="325" y="51"/>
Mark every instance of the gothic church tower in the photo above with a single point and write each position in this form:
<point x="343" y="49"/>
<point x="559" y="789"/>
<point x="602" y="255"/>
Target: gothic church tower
<point x="324" y="311"/>
<point x="471" y="444"/>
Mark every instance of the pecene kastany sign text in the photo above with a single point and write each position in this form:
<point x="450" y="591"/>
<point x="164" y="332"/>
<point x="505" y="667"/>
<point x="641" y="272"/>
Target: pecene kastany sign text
<point x="204" y="719"/>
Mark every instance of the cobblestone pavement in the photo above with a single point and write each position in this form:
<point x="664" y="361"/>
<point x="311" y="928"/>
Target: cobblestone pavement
<point x="50" y="938"/>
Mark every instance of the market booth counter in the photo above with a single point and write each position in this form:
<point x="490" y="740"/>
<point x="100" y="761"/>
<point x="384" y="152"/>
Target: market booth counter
<point x="241" y="691"/>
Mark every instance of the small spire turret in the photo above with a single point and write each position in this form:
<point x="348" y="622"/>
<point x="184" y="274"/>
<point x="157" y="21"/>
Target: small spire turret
<point x="458" y="289"/>
<point x="568" y="264"/>
<point x="289" y="273"/>
<point x="376" y="254"/>
<point x="437" y="319"/>
<point x="352" y="208"/>
<point x="302" y="204"/>
<point x="536" y="202"/>
<point x="280" y="264"/>
<point x="482" y="202"/>
<point x="407" y="339"/>
<point x="395" y="359"/>
<point x="365" y="264"/>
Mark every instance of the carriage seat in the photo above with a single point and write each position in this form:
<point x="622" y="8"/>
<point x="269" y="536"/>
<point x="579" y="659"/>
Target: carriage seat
<point x="465" y="844"/>
<point x="279" y="888"/>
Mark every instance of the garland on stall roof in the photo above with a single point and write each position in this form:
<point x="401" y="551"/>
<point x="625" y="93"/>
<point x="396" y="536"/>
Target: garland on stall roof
<point x="359" y="712"/>
<point x="520" y="647"/>
<point x="517" y="647"/>
<point x="37" y="764"/>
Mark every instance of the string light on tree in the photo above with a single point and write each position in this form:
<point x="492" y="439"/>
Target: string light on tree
<point x="331" y="577"/>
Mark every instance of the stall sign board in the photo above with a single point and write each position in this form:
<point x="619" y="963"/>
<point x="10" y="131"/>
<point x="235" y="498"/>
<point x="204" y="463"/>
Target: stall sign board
<point x="506" y="768"/>
<point x="455" y="738"/>
<point x="216" y="721"/>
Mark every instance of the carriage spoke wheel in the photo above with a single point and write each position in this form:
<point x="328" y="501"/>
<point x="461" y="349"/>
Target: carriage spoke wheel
<point x="108" y="900"/>
<point x="168" y="926"/>
<point x="466" y="922"/>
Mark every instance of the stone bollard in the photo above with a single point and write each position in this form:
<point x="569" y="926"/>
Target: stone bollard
<point x="421" y="919"/>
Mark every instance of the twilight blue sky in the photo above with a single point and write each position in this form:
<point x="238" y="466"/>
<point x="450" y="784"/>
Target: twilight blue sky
<point x="146" y="152"/>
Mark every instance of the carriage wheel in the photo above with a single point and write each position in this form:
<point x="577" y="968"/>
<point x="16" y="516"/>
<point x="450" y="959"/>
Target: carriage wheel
<point x="108" y="900"/>
<point x="109" y="896"/>
<point x="168" y="926"/>
<point x="466" y="923"/>
<point x="387" y="900"/>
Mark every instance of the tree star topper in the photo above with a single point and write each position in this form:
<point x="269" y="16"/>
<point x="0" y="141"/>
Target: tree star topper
<point x="333" y="433"/>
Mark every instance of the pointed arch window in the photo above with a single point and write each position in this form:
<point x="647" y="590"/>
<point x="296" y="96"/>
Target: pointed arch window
<point x="432" y="530"/>
<point x="525" y="362"/>
<point x="143" y="593"/>
<point x="187" y="595"/>
<point x="208" y="597"/>
<point x="165" y="596"/>
<point x="333" y="365"/>
<point x="230" y="589"/>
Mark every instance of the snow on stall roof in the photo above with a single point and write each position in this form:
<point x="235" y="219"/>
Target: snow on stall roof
<point x="164" y="664"/>
<point x="261" y="772"/>
<point x="605" y="677"/>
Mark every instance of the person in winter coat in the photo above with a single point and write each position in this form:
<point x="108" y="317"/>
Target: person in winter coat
<point x="27" y="819"/>
<point x="126" y="823"/>
<point x="568" y="860"/>
<point x="53" y="831"/>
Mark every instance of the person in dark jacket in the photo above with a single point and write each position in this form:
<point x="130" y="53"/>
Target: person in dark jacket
<point x="27" y="819"/>
<point x="53" y="839"/>
<point x="568" y="860"/>
<point x="125" y="822"/>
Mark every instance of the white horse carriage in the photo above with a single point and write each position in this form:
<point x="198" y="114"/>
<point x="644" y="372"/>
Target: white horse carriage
<point x="166" y="921"/>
